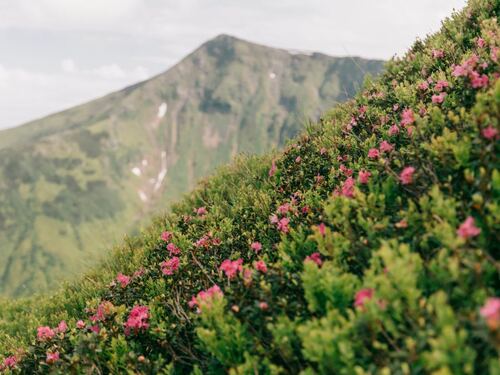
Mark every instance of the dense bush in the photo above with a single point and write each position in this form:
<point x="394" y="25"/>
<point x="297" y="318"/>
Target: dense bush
<point x="370" y="245"/>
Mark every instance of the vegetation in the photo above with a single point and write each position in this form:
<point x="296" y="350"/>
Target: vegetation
<point x="369" y="245"/>
<point x="75" y="182"/>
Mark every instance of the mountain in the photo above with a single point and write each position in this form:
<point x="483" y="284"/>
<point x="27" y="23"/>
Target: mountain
<point x="73" y="182"/>
<point x="369" y="245"/>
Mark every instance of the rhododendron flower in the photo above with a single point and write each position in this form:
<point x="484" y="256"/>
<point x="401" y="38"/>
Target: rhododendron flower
<point x="489" y="133"/>
<point x="406" y="176"/>
<point x="393" y="130"/>
<point x="322" y="151"/>
<point x="407" y="117"/>
<point x="263" y="306"/>
<point x="364" y="177"/>
<point x="386" y="146"/>
<point x="205" y="297"/>
<point x="409" y="130"/>
<point x="104" y="309"/>
<point x="348" y="187"/>
<point x="166" y="236"/>
<point x="62" y="326"/>
<point x="203" y="242"/>
<point x="247" y="276"/>
<point x="363" y="296"/>
<point x="45" y="333"/>
<point x="124" y="280"/>
<point x="480" y="42"/>
<point x="139" y="272"/>
<point x="284" y="208"/>
<point x="477" y="80"/>
<point x="459" y="71"/>
<point x="491" y="312"/>
<point x="373" y="153"/>
<point x="494" y="52"/>
<point x="347" y="171"/>
<point x="438" y="99"/>
<point x="314" y="257"/>
<point x="201" y="211"/>
<point x="437" y="53"/>
<point x="273" y="169"/>
<point x="172" y="249"/>
<point x="256" y="246"/>
<point x="273" y="219"/>
<point x="440" y="85"/>
<point x="306" y="209"/>
<point x="169" y="266"/>
<point x="467" y="229"/>
<point x="423" y="86"/>
<point x="283" y="225"/>
<point x="260" y="266"/>
<point x="52" y="357"/>
<point x="9" y="363"/>
<point x="137" y="320"/>
<point x="80" y="324"/>
<point x="298" y="159"/>
<point x="322" y="229"/>
<point x="231" y="268"/>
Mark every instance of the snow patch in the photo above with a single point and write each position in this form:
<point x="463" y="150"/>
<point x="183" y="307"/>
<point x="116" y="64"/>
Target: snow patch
<point x="272" y="75"/>
<point x="136" y="171"/>
<point x="162" y="110"/>
<point x="163" y="171"/>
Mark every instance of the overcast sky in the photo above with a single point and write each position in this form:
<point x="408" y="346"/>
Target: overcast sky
<point x="58" y="53"/>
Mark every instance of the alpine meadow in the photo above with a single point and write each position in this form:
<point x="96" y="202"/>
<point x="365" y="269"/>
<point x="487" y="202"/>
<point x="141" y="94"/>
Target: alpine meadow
<point x="368" y="244"/>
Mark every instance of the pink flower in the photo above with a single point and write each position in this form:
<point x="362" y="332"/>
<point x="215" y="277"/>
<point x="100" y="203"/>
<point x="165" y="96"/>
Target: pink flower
<point x="169" y="266"/>
<point x="95" y="329"/>
<point x="314" y="257"/>
<point x="80" y="324"/>
<point x="437" y="53"/>
<point x="260" y="266"/>
<point x="364" y="177"/>
<point x="363" y="296"/>
<point x="205" y="297"/>
<point x="263" y="306"/>
<point x="467" y="229"/>
<point x="273" y="219"/>
<point x="406" y="176"/>
<point x="172" y="249"/>
<point x="52" y="357"/>
<point x="273" y="169"/>
<point x="298" y="159"/>
<point x="124" y="280"/>
<point x="62" y="326"/>
<point x="284" y="208"/>
<point x="45" y="333"/>
<point x="256" y="246"/>
<point x="423" y="86"/>
<point x="373" y="153"/>
<point x="477" y="80"/>
<point x="104" y="309"/>
<point x="203" y="242"/>
<point x="494" y="53"/>
<point x="480" y="42"/>
<point x="459" y="71"/>
<point x="322" y="229"/>
<point x="438" y="99"/>
<point x="407" y="117"/>
<point x="345" y="170"/>
<point x="386" y="146"/>
<point x="409" y="130"/>
<point x="283" y="225"/>
<point x="440" y="85"/>
<point x="348" y="187"/>
<point x="201" y="211"/>
<point x="393" y="130"/>
<point x="231" y="268"/>
<point x="137" y="320"/>
<point x="9" y="363"/>
<point x="322" y="151"/>
<point x="491" y="312"/>
<point x="166" y="236"/>
<point x="489" y="133"/>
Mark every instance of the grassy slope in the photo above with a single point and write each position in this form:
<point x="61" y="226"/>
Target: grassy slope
<point x="66" y="186"/>
<point x="398" y="240"/>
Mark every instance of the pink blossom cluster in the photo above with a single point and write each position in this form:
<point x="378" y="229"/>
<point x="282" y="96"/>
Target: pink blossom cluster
<point x="231" y="267"/>
<point x="170" y="266"/>
<point x="205" y="297"/>
<point x="137" y="320"/>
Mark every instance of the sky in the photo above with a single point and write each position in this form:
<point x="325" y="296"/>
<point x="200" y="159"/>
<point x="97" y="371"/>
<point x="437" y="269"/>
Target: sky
<point x="55" y="54"/>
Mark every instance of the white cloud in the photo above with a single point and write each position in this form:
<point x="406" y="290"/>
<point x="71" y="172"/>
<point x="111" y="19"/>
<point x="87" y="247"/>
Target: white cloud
<point x="68" y="66"/>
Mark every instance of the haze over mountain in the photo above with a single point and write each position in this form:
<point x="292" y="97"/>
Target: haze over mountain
<point x="73" y="182"/>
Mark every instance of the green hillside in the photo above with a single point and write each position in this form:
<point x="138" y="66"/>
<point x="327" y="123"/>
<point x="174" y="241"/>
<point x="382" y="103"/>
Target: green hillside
<point x="75" y="182"/>
<point x="368" y="246"/>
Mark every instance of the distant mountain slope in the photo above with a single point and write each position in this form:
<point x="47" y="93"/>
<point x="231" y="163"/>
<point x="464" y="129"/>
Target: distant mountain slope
<point x="73" y="182"/>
